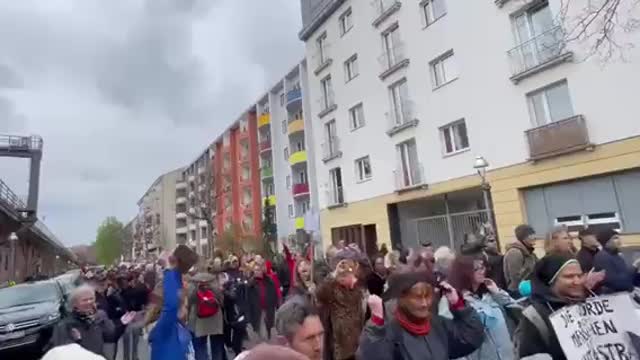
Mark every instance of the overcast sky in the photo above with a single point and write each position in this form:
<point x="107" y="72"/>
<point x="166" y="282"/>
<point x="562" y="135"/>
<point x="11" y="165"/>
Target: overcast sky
<point x="122" y="91"/>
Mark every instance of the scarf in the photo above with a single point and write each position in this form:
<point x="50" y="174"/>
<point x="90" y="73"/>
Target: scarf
<point x="85" y="317"/>
<point x="412" y="328"/>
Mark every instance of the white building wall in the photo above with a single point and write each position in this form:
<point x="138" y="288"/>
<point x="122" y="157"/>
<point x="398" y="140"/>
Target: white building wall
<point x="495" y="109"/>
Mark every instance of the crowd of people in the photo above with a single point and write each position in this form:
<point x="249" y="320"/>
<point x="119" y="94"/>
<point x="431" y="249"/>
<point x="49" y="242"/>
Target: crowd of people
<point x="425" y="303"/>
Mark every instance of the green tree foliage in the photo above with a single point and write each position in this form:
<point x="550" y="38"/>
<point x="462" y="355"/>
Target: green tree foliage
<point x="269" y="231"/>
<point x="108" y="243"/>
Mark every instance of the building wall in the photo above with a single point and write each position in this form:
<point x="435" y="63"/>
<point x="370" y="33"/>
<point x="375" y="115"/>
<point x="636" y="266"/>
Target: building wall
<point x="168" y="209"/>
<point x="494" y="108"/>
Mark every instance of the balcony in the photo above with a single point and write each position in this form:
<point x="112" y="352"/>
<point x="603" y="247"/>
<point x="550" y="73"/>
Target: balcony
<point x="392" y="60"/>
<point x="331" y="149"/>
<point x="557" y="138"/>
<point x="383" y="9"/>
<point x="181" y="215"/>
<point x="181" y="185"/>
<point x="181" y="230"/>
<point x="298" y="157"/>
<point x="335" y="198"/>
<point x="269" y="200"/>
<point x="300" y="189"/>
<point x="266" y="172"/>
<point x="200" y="170"/>
<point x="264" y="120"/>
<point x="299" y="223"/>
<point x="545" y="50"/>
<point x="181" y="200"/>
<point x="409" y="178"/>
<point x="401" y="118"/>
<point x="265" y="145"/>
<point x="295" y="126"/>
<point x="321" y="59"/>
<point x="294" y="99"/>
<point x="326" y="104"/>
<point x="192" y="178"/>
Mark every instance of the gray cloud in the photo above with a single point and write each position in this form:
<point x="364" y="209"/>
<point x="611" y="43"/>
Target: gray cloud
<point x="122" y="91"/>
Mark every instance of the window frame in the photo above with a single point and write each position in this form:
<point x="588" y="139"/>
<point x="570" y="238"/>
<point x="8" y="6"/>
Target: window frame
<point x="286" y="153"/>
<point x="291" y="211"/>
<point x="284" y="126"/>
<point x="351" y="68"/>
<point x="452" y="126"/>
<point x="360" y="169"/>
<point x="347" y="14"/>
<point x="326" y="85"/>
<point x="353" y="117"/>
<point x="426" y="14"/>
<point x="438" y="64"/>
<point x="321" y="47"/>
<point x="547" y="109"/>
<point x="288" y="181"/>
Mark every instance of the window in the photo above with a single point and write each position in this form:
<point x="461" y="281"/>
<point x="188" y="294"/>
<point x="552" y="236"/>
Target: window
<point x="392" y="46"/>
<point x="305" y="206"/>
<point x="351" y="68"/>
<point x="286" y="153"/>
<point x="336" y="195"/>
<point x="284" y="126"/>
<point x="443" y="69"/>
<point x="268" y="188"/>
<point x="302" y="177"/>
<point x="321" y="43"/>
<point x="363" y="169"/>
<point x="399" y="95"/>
<point x="550" y="104"/>
<point x="327" y="92"/>
<point x="345" y="21"/>
<point x="282" y="99"/>
<point x="356" y="117"/>
<point x="433" y="10"/>
<point x="331" y="140"/>
<point x="288" y="181"/>
<point x="203" y="231"/>
<point x="409" y="173"/>
<point x="299" y="145"/>
<point x="454" y="137"/>
<point x="537" y="36"/>
<point x="290" y="208"/>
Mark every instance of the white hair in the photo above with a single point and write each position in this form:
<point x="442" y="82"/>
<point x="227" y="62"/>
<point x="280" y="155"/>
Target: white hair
<point x="444" y="256"/>
<point x="76" y="292"/>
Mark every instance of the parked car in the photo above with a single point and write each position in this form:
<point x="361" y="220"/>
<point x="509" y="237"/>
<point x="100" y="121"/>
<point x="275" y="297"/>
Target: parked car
<point x="28" y="313"/>
<point x="67" y="282"/>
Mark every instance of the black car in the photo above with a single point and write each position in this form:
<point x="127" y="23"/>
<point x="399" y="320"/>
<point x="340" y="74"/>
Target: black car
<point x="28" y="313"/>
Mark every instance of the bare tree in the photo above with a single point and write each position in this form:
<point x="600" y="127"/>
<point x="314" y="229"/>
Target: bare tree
<point x="602" y="26"/>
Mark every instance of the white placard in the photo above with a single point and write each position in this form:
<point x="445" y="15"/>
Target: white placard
<point x="600" y="328"/>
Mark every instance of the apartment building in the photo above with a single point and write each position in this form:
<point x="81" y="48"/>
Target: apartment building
<point x="455" y="81"/>
<point x="195" y="207"/>
<point x="157" y="216"/>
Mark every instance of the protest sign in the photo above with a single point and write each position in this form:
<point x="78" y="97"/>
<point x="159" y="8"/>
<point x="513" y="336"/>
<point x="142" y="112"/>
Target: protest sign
<point x="601" y="328"/>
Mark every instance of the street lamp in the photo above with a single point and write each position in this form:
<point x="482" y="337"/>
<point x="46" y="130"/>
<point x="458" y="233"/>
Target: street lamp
<point x="481" y="164"/>
<point x="13" y="241"/>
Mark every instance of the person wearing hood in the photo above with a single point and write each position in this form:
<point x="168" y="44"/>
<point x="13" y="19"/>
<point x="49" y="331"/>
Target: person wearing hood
<point x="412" y="330"/>
<point x="519" y="259"/>
<point x="557" y="281"/>
<point x="619" y="276"/>
<point x="468" y="276"/>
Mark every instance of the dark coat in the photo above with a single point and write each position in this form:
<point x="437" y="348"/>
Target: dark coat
<point x="619" y="276"/>
<point x="447" y="339"/>
<point x="375" y="284"/>
<point x="529" y="337"/>
<point x="93" y="334"/>
<point x="586" y="257"/>
<point x="495" y="269"/>
<point x="253" y="309"/>
<point x="135" y="298"/>
<point x="518" y="264"/>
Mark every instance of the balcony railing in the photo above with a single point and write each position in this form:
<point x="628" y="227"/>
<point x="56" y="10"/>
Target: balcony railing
<point x="266" y="172"/>
<point x="294" y="95"/>
<point x="383" y="9"/>
<point x="401" y="117"/>
<point x="558" y="138"/>
<point x="8" y="197"/>
<point x="331" y="149"/>
<point x="335" y="197"/>
<point x="300" y="189"/>
<point x="408" y="177"/>
<point x="265" y="145"/>
<point x="392" y="59"/>
<point x="539" y="51"/>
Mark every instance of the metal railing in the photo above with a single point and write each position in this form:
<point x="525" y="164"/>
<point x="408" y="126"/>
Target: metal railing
<point x="400" y="114"/>
<point x="8" y="197"/>
<point x="537" y="50"/>
<point x="408" y="177"/>
<point x="392" y="56"/>
<point x="20" y="143"/>
<point x="558" y="137"/>
<point x="331" y="148"/>
<point x="450" y="229"/>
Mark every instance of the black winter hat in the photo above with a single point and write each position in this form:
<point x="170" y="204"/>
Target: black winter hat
<point x="605" y="235"/>
<point x="399" y="283"/>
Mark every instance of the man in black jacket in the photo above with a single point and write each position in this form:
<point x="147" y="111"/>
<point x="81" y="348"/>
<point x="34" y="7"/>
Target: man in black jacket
<point x="262" y="301"/>
<point x="589" y="247"/>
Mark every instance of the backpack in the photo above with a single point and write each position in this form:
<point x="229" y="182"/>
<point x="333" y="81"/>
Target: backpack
<point x="531" y="314"/>
<point x="207" y="303"/>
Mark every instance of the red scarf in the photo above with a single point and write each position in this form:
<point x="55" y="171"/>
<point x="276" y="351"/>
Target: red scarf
<point x="414" y="329"/>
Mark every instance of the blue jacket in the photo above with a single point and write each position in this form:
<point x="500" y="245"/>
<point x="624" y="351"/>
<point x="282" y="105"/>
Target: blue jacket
<point x="167" y="342"/>
<point x="619" y="276"/>
<point x="497" y="344"/>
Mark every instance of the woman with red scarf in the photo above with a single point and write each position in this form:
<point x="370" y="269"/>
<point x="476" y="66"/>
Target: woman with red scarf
<point x="411" y="330"/>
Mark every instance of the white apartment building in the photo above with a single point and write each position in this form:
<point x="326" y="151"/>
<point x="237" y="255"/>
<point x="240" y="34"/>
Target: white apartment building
<point x="157" y="215"/>
<point x="288" y="153"/>
<point x="407" y="93"/>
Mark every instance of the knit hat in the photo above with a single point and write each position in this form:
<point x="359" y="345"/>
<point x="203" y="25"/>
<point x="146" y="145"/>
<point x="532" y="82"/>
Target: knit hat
<point x="605" y="235"/>
<point x="400" y="282"/>
<point x="550" y="266"/>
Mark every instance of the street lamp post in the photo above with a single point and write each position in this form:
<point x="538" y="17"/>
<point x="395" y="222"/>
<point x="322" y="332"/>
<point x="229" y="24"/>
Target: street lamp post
<point x="481" y="166"/>
<point x="13" y="240"/>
